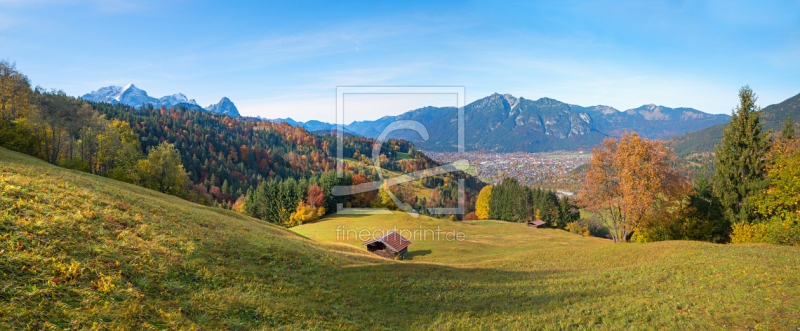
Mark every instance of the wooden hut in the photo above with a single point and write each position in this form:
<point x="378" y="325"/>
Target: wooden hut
<point x="536" y="224"/>
<point x="392" y="245"/>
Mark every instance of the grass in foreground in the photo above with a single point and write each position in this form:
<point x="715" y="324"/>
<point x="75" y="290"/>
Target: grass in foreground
<point x="80" y="251"/>
<point x="506" y="275"/>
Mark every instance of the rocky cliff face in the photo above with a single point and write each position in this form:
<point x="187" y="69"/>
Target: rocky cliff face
<point x="225" y="106"/>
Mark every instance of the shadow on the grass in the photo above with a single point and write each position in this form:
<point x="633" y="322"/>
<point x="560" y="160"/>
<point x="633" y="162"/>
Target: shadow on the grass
<point x="412" y="254"/>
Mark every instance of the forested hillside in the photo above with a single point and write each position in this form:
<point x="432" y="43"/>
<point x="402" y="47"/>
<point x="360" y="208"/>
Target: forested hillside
<point x="703" y="141"/>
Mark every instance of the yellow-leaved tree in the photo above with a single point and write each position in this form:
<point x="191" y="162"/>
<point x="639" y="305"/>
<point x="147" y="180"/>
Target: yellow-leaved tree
<point x="118" y="150"/>
<point x="162" y="170"/>
<point x="383" y="197"/>
<point x="780" y="203"/>
<point x="304" y="213"/>
<point x="482" y="205"/>
<point x="15" y="90"/>
<point x="630" y="182"/>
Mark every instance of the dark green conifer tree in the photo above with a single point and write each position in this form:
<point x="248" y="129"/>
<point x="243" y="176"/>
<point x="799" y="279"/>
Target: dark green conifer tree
<point x="741" y="159"/>
<point x="226" y="189"/>
<point x="788" y="129"/>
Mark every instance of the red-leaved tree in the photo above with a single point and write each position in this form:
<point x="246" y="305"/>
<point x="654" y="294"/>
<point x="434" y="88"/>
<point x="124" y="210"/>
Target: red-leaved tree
<point x="316" y="197"/>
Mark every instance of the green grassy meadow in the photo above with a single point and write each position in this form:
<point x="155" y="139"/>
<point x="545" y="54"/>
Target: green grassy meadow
<point x="403" y="156"/>
<point x="84" y="252"/>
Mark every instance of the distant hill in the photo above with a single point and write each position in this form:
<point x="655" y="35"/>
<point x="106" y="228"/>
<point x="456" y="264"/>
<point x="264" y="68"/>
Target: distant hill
<point x="135" y="97"/>
<point x="314" y="125"/>
<point x="504" y="123"/>
<point x="704" y="141"/>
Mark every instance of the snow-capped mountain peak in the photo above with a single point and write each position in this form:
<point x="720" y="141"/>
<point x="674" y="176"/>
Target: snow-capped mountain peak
<point x="176" y="99"/>
<point x="136" y="97"/>
<point x="104" y="94"/>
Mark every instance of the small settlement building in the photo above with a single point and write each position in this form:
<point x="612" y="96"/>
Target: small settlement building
<point x="390" y="246"/>
<point x="536" y="224"/>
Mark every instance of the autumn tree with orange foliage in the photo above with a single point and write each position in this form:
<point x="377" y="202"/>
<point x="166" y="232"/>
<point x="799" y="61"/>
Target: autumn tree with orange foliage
<point x="630" y="182"/>
<point x="315" y="196"/>
<point x="363" y="199"/>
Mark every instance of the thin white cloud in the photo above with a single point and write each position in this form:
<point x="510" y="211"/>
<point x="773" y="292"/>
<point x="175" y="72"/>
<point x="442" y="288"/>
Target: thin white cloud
<point x="109" y="6"/>
<point x="8" y="22"/>
<point x="350" y="37"/>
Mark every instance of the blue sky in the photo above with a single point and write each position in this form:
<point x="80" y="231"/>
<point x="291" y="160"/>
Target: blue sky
<point x="285" y="59"/>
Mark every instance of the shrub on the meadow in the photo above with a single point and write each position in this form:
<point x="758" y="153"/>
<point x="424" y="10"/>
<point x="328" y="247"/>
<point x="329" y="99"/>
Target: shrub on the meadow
<point x="750" y="233"/>
<point x="652" y="234"/>
<point x="576" y="228"/>
<point x="238" y="206"/>
<point x="304" y="213"/>
<point x="782" y="232"/>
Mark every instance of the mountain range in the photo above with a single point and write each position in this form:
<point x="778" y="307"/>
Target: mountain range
<point x="504" y="123"/>
<point x="136" y="97"/>
<point x="498" y="123"/>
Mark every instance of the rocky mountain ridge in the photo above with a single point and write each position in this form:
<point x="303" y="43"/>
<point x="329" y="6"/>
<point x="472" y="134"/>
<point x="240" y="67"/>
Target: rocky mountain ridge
<point x="136" y="97"/>
<point x="503" y="122"/>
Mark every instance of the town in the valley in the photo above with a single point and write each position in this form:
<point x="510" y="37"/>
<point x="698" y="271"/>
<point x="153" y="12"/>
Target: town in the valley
<point x="532" y="169"/>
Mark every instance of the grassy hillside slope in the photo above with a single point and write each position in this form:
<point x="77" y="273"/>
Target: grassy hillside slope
<point x="83" y="251"/>
<point x="80" y="251"/>
<point x="506" y="275"/>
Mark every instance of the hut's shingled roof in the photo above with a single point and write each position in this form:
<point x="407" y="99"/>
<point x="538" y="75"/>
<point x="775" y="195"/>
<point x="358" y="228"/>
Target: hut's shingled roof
<point x="392" y="239"/>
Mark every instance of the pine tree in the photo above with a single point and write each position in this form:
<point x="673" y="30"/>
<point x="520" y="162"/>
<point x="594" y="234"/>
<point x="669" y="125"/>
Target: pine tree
<point x="788" y="129"/>
<point x="226" y="189"/>
<point x="741" y="160"/>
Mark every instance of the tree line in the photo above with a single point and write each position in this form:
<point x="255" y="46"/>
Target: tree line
<point x="510" y="201"/>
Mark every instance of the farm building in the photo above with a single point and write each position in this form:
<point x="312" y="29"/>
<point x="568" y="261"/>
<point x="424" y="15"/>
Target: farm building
<point x="536" y="224"/>
<point x="390" y="246"/>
